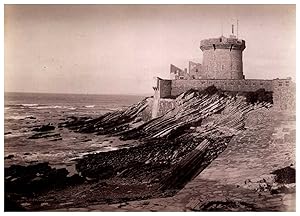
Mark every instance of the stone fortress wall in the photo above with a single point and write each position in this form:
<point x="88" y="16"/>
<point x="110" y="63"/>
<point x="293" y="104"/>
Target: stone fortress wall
<point x="179" y="86"/>
<point x="283" y="91"/>
<point x="284" y="94"/>
<point x="222" y="67"/>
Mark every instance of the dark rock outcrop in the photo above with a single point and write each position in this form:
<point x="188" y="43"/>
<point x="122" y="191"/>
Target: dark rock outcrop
<point x="45" y="135"/>
<point x="36" y="178"/>
<point x="285" y="175"/>
<point x="228" y="205"/>
<point x="11" y="206"/>
<point x="9" y="157"/>
<point x="44" y="128"/>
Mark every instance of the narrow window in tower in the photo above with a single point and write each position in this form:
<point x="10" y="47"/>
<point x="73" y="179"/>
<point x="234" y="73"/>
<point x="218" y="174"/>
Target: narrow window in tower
<point x="231" y="47"/>
<point x="214" y="45"/>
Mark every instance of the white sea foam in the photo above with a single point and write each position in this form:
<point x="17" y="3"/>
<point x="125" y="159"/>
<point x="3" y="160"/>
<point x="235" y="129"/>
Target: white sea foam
<point x="29" y="105"/>
<point x="113" y="109"/>
<point x="48" y="107"/>
<point x="56" y="107"/>
<point x="16" y="134"/>
<point x="104" y="149"/>
<point x="110" y="148"/>
<point x="17" y="117"/>
<point x="89" y="106"/>
<point x="47" y="156"/>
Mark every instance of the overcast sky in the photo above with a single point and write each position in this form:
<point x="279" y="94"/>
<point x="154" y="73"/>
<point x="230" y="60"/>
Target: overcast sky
<point x="119" y="49"/>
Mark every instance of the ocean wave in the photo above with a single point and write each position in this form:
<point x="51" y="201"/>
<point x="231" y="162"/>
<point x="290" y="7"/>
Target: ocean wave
<point x="55" y="107"/>
<point x="114" y="109"/>
<point x="16" y="134"/>
<point x="49" y="107"/>
<point x="28" y="105"/>
<point x="49" y="156"/>
<point x="89" y="106"/>
<point x="17" y="117"/>
<point x="39" y="106"/>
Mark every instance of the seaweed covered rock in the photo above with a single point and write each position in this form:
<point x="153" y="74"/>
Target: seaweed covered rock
<point x="44" y="128"/>
<point x="286" y="175"/>
<point x="37" y="178"/>
<point x="226" y="205"/>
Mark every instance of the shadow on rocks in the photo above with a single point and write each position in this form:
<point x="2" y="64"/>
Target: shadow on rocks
<point x="36" y="178"/>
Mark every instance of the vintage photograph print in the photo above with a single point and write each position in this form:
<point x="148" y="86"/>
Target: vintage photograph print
<point x="149" y="108"/>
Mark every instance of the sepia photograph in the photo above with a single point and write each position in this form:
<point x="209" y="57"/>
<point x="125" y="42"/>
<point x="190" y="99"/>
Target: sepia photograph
<point x="149" y="108"/>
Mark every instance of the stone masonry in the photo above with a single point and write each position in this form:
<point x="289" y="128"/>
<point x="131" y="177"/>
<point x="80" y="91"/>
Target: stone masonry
<point x="222" y="67"/>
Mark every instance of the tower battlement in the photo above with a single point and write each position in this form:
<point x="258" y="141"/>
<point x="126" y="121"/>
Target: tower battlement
<point x="222" y="42"/>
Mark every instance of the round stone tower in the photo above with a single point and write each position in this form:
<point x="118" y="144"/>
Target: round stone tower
<point x="222" y="58"/>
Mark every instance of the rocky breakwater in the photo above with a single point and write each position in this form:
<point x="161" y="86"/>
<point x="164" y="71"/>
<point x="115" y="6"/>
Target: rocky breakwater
<point x="173" y="149"/>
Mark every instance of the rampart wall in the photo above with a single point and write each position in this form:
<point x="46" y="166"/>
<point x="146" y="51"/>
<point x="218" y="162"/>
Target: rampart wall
<point x="284" y="94"/>
<point x="179" y="86"/>
<point x="284" y="91"/>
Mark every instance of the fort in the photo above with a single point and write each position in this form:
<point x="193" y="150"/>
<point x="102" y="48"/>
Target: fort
<point x="222" y="67"/>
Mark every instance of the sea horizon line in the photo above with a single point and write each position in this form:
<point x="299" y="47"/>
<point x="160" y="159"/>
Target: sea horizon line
<point x="69" y="93"/>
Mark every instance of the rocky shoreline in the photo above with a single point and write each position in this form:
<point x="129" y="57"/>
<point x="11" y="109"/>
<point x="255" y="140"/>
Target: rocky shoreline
<point x="166" y="154"/>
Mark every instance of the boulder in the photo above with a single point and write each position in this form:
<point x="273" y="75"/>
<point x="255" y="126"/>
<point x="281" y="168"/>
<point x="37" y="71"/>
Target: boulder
<point x="286" y="175"/>
<point x="44" y="128"/>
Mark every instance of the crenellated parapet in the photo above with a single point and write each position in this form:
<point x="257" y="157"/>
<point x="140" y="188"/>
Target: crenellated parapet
<point x="222" y="42"/>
